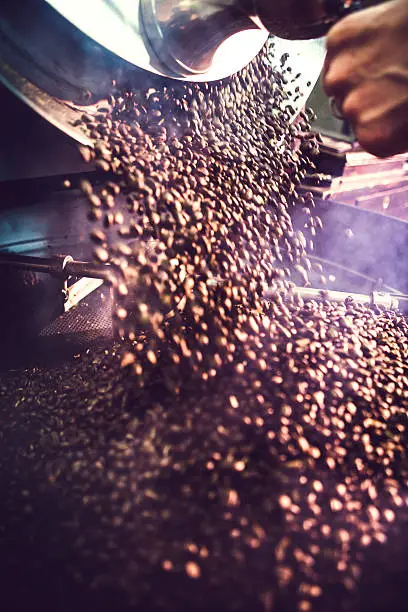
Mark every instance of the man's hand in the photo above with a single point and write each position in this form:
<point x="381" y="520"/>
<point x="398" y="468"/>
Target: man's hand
<point x="366" y="71"/>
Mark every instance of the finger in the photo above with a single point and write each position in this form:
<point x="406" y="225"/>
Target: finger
<point x="382" y="138"/>
<point x="377" y="139"/>
<point x="381" y="129"/>
<point x="353" y="105"/>
<point x="339" y="76"/>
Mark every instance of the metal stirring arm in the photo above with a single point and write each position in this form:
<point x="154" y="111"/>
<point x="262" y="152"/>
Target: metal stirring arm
<point x="88" y="276"/>
<point x="61" y="265"/>
<point x="392" y="301"/>
<point x="65" y="266"/>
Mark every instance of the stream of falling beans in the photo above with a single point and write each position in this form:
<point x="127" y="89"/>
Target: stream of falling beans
<point x="195" y="218"/>
<point x="230" y="453"/>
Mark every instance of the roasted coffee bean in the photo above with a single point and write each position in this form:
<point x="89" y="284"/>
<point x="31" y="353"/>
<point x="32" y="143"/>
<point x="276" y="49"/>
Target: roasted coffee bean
<point x="101" y="254"/>
<point x="98" y="236"/>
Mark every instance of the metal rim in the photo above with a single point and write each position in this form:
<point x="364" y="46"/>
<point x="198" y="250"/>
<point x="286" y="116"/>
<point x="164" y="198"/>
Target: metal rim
<point x="118" y="29"/>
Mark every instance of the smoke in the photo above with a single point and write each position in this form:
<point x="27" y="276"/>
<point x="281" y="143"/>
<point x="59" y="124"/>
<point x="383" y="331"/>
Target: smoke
<point x="361" y="241"/>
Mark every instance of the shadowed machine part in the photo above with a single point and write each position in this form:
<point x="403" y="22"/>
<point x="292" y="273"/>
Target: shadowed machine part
<point x="38" y="314"/>
<point x="65" y="267"/>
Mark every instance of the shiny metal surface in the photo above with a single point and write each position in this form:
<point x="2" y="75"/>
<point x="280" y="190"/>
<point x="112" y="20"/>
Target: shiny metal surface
<point x="186" y="36"/>
<point x="119" y="26"/>
<point x="194" y="41"/>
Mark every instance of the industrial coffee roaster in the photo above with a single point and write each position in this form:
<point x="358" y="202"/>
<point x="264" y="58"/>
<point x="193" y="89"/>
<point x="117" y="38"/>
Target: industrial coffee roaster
<point x="60" y="60"/>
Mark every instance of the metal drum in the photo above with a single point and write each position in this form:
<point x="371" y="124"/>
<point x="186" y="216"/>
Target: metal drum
<point x="62" y="57"/>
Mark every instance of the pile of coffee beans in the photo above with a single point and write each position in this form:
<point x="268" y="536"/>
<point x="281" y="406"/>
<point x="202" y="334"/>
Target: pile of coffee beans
<point x="230" y="453"/>
<point x="278" y="484"/>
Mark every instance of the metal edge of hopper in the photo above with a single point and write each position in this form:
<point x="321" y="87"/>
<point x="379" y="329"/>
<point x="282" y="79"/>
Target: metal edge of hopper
<point x="63" y="116"/>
